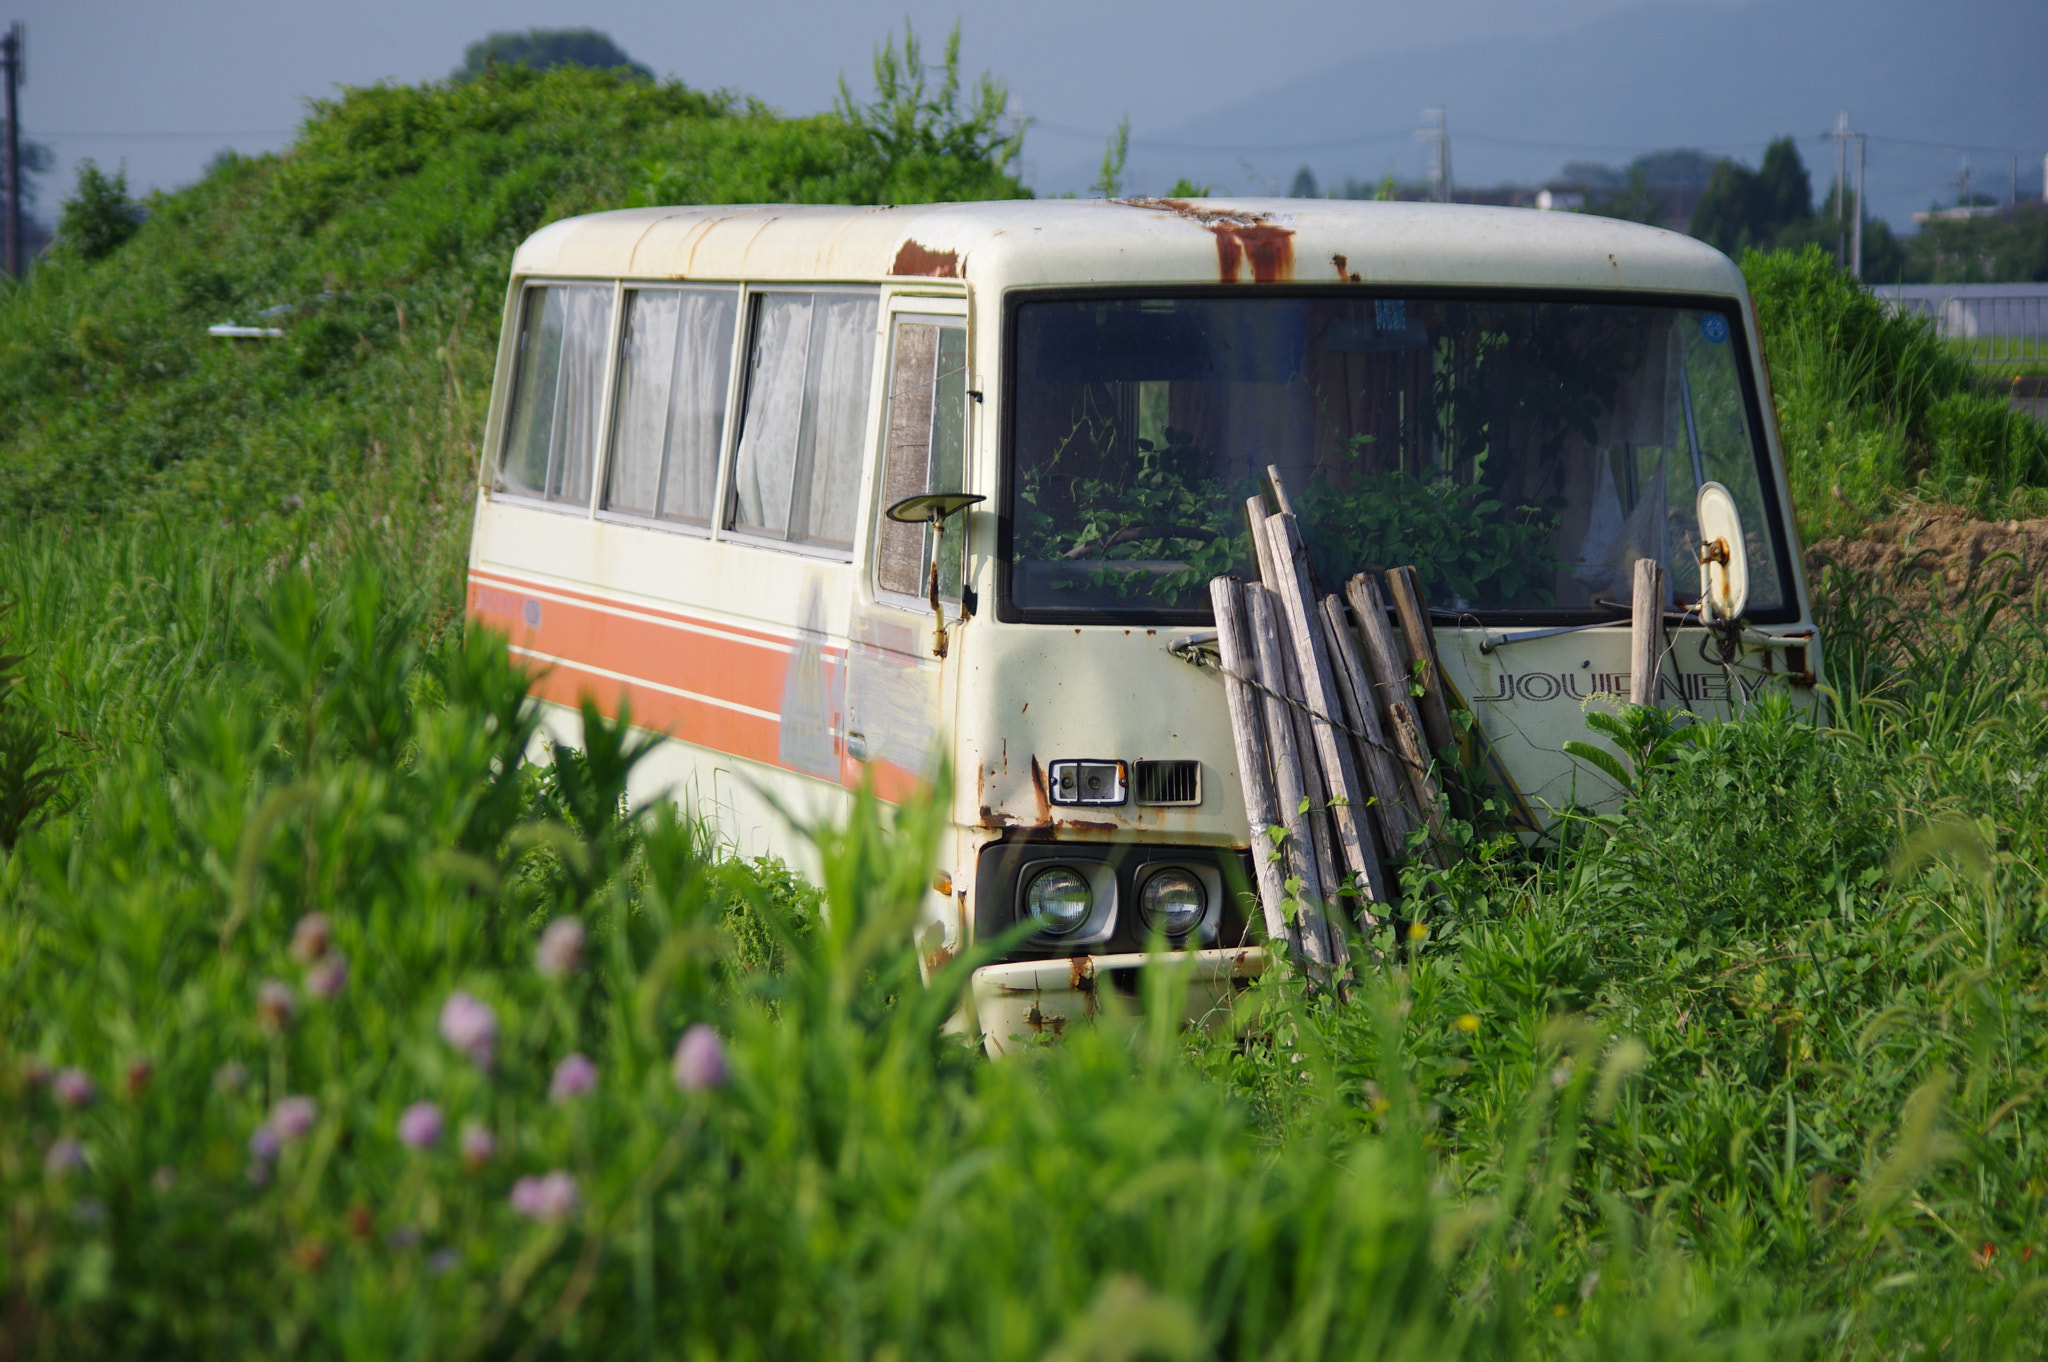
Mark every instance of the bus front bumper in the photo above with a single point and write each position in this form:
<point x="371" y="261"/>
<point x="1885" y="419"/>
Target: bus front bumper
<point x="1027" y="1000"/>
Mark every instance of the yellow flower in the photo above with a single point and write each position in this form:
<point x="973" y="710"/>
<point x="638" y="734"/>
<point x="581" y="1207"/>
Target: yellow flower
<point x="1417" y="932"/>
<point x="1468" y="1023"/>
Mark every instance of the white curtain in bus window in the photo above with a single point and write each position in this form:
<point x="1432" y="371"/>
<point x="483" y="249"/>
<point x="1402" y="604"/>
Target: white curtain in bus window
<point x="674" y="363"/>
<point x="927" y="445"/>
<point x="551" y="436"/>
<point x="797" y="470"/>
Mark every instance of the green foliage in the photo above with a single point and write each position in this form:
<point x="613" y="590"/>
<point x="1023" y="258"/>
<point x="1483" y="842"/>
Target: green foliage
<point x="1463" y="541"/>
<point x="2009" y="247"/>
<point x="1109" y="181"/>
<point x="1871" y="403"/>
<point x="99" y="217"/>
<point x="920" y="134"/>
<point x="1744" y="209"/>
<point x="543" y="49"/>
<point x="30" y="778"/>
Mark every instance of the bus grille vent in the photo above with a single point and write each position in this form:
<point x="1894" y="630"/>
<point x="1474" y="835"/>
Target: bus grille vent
<point x="1169" y="782"/>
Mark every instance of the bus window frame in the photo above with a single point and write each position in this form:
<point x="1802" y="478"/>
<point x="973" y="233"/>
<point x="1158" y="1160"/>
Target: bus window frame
<point x="1762" y="427"/>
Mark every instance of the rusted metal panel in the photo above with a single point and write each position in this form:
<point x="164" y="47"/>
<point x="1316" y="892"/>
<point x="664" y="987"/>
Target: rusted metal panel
<point x="916" y="259"/>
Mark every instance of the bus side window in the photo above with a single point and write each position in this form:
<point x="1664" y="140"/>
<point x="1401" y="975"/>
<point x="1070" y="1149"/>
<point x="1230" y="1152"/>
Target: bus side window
<point x="557" y="391"/>
<point x="796" y="475"/>
<point x="926" y="452"/>
<point x="670" y="425"/>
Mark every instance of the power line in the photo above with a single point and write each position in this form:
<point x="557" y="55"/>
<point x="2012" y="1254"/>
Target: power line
<point x="162" y="136"/>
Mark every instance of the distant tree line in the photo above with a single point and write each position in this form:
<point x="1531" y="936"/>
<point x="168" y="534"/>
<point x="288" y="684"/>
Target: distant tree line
<point x="1771" y="207"/>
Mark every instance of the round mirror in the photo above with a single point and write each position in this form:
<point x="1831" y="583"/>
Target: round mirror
<point x="1724" y="560"/>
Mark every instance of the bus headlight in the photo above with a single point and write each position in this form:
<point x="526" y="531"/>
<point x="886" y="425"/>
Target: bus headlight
<point x="1058" y="900"/>
<point x="1172" y="901"/>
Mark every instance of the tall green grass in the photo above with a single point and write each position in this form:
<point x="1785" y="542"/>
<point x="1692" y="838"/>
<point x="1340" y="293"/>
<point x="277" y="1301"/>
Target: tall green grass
<point x="1873" y="405"/>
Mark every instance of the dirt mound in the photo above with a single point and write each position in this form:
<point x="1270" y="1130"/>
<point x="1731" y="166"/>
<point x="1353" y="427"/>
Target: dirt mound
<point x="1940" y="554"/>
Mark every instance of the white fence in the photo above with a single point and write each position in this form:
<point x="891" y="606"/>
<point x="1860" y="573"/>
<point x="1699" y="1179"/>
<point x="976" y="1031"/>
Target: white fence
<point x="2006" y="323"/>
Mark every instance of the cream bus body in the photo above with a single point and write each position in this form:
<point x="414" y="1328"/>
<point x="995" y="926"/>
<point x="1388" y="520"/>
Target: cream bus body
<point x="700" y="416"/>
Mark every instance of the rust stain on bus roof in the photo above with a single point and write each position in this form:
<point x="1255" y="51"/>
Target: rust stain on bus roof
<point x="915" y="258"/>
<point x="1242" y="239"/>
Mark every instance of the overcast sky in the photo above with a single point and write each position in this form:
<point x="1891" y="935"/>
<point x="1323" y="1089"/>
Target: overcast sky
<point x="163" y="87"/>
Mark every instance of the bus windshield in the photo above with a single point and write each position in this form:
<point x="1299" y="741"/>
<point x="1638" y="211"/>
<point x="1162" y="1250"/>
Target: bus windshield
<point x="1521" y="454"/>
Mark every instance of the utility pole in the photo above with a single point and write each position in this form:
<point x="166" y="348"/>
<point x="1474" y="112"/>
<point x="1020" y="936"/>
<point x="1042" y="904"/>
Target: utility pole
<point x="1841" y="136"/>
<point x="1437" y="134"/>
<point x="13" y="71"/>
<point x="1856" y="226"/>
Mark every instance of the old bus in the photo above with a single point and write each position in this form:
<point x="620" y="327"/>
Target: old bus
<point x="703" y="416"/>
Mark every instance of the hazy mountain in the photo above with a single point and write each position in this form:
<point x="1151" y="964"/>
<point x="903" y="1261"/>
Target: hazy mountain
<point x="1722" y="79"/>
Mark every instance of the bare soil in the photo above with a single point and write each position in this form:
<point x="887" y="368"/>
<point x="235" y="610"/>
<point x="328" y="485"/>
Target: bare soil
<point x="1937" y="555"/>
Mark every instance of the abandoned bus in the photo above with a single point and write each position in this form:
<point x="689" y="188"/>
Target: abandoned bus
<point x="703" y="419"/>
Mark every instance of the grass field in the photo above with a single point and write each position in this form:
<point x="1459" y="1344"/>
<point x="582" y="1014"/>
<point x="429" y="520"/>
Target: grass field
<point x="331" y="1028"/>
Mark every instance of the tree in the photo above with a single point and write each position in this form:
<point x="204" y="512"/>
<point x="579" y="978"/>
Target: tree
<point x="1744" y="208"/>
<point x="1304" y="185"/>
<point x="100" y="217"/>
<point x="543" y="48"/>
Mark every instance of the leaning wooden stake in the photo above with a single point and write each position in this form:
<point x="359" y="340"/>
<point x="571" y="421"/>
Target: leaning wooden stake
<point x="1347" y="802"/>
<point x="1406" y="590"/>
<point x="1248" y="728"/>
<point x="1382" y="647"/>
<point x="1289" y="782"/>
<point x="1646" y="633"/>
<point x="1392" y="811"/>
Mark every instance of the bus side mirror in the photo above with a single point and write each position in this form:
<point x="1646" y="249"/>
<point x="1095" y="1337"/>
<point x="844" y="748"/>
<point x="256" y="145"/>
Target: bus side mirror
<point x="933" y="509"/>
<point x="1724" y="556"/>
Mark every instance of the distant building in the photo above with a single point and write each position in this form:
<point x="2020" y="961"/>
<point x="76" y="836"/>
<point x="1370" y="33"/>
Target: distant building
<point x="1560" y="199"/>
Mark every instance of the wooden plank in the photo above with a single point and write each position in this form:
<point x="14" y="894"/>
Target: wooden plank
<point x="1347" y="791"/>
<point x="1408" y="740"/>
<point x="1646" y="632"/>
<point x="1393" y="812"/>
<point x="1262" y="549"/>
<point x="1248" y="730"/>
<point x="1384" y="654"/>
<point x="1289" y="780"/>
<point x="1405" y="589"/>
<point x="1279" y="486"/>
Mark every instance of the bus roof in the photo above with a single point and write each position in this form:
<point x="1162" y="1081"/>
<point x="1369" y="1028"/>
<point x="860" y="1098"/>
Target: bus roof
<point x="1114" y="241"/>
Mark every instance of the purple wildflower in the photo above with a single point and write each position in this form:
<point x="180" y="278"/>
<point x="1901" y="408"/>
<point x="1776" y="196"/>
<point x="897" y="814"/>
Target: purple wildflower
<point x="470" y="1026"/>
<point x="264" y="1144"/>
<point x="64" y="1157"/>
<point x="276" y="1005"/>
<point x="574" y="1077"/>
<point x="73" y="1088"/>
<point x="700" y="1059"/>
<point x="551" y="1197"/>
<point x="292" y="1118"/>
<point x="420" y="1126"/>
<point x="478" y="1145"/>
<point x="440" y="1261"/>
<point x="327" y="977"/>
<point x="311" y="938"/>
<point x="560" y="950"/>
